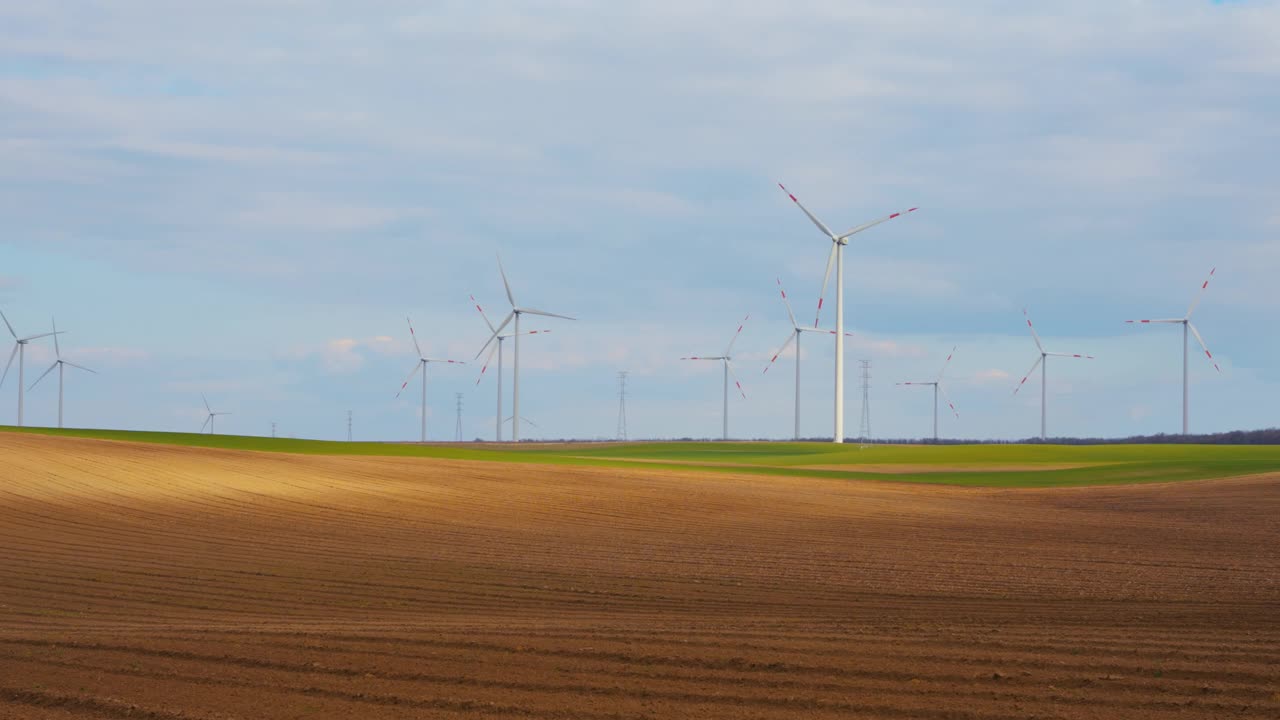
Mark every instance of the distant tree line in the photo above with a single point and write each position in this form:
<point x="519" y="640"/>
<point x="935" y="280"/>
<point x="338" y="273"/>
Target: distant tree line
<point x="1269" y="436"/>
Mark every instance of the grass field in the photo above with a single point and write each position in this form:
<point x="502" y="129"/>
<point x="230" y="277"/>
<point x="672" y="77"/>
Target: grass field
<point x="974" y="465"/>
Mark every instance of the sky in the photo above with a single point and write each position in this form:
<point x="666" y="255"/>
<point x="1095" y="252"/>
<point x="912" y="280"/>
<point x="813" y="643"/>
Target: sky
<point x="247" y="199"/>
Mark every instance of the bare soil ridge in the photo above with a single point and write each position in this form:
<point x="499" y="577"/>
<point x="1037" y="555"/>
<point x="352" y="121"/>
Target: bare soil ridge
<point x="173" y="583"/>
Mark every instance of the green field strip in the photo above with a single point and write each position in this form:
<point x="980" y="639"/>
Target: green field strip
<point x="1098" y="464"/>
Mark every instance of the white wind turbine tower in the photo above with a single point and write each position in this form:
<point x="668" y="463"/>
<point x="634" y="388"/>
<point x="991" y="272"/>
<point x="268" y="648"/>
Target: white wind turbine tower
<point x="1043" y="363"/>
<point x="794" y="336"/>
<point x="60" y="364"/>
<point x="497" y="347"/>
<point x="727" y="360"/>
<point x="837" y="255"/>
<point x="421" y="364"/>
<point x="1185" y="322"/>
<point x="208" y="421"/>
<point x="516" y="312"/>
<point x="19" y="349"/>
<point x="937" y="388"/>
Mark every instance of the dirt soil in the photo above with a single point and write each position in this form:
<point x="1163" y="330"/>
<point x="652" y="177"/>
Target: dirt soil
<point x="142" y="581"/>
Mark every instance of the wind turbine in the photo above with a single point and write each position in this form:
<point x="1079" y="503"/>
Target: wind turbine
<point x="421" y="364"/>
<point x="727" y="360"/>
<point x="19" y="349"/>
<point x="1185" y="322"/>
<point x="498" y="348"/>
<point x="937" y="388"/>
<point x="526" y="421"/>
<point x="794" y="336"/>
<point x="208" y="421"/>
<point x="60" y="364"/>
<point x="1043" y="363"/>
<point x="516" y="312"/>
<point x="837" y="255"/>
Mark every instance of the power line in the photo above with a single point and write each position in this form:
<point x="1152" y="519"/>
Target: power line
<point x="622" y="405"/>
<point x="457" y="433"/>
<point x="864" y="425"/>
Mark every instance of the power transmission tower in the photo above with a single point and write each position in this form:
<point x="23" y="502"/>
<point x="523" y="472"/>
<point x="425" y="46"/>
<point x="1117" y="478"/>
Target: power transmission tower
<point x="864" y="425"/>
<point x="348" y="426"/>
<point x="622" y="405"/>
<point x="457" y="433"/>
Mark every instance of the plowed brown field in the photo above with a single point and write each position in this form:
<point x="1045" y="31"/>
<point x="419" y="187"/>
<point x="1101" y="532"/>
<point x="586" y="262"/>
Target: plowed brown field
<point x="141" y="581"/>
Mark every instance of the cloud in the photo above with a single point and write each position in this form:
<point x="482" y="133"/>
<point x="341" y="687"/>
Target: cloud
<point x="340" y="356"/>
<point x="990" y="376"/>
<point x="290" y="211"/>
<point x="346" y="355"/>
<point x="219" y="152"/>
<point x="886" y="347"/>
<point x="116" y="356"/>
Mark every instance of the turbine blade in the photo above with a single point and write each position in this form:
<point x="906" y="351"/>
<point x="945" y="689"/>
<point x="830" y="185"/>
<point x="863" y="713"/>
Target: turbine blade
<point x="791" y="337"/>
<point x="413" y="335"/>
<point x="8" y="364"/>
<point x="486" y="317"/>
<point x="1070" y="355"/>
<point x="1145" y="322"/>
<point x="1204" y="347"/>
<point x="534" y="332"/>
<point x="874" y="223"/>
<point x="1024" y="377"/>
<point x="787" y="303"/>
<point x="6" y="324"/>
<point x="510" y="298"/>
<point x="207" y="420"/>
<point x="826" y="277"/>
<point x="734" y="375"/>
<point x="37" y="337"/>
<point x="948" y="399"/>
<point x="729" y="350"/>
<point x="416" y="367"/>
<point x="826" y="230"/>
<point x="206" y="403"/>
<point x="1195" y="302"/>
<point x="494" y="336"/>
<point x="703" y="357"/>
<point x="492" y="350"/>
<point x="544" y="313"/>
<point x="447" y="362"/>
<point x="56" y="350"/>
<point x="946" y="362"/>
<point x="1030" y="327"/>
<point x="46" y="372"/>
<point x="68" y="362"/>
